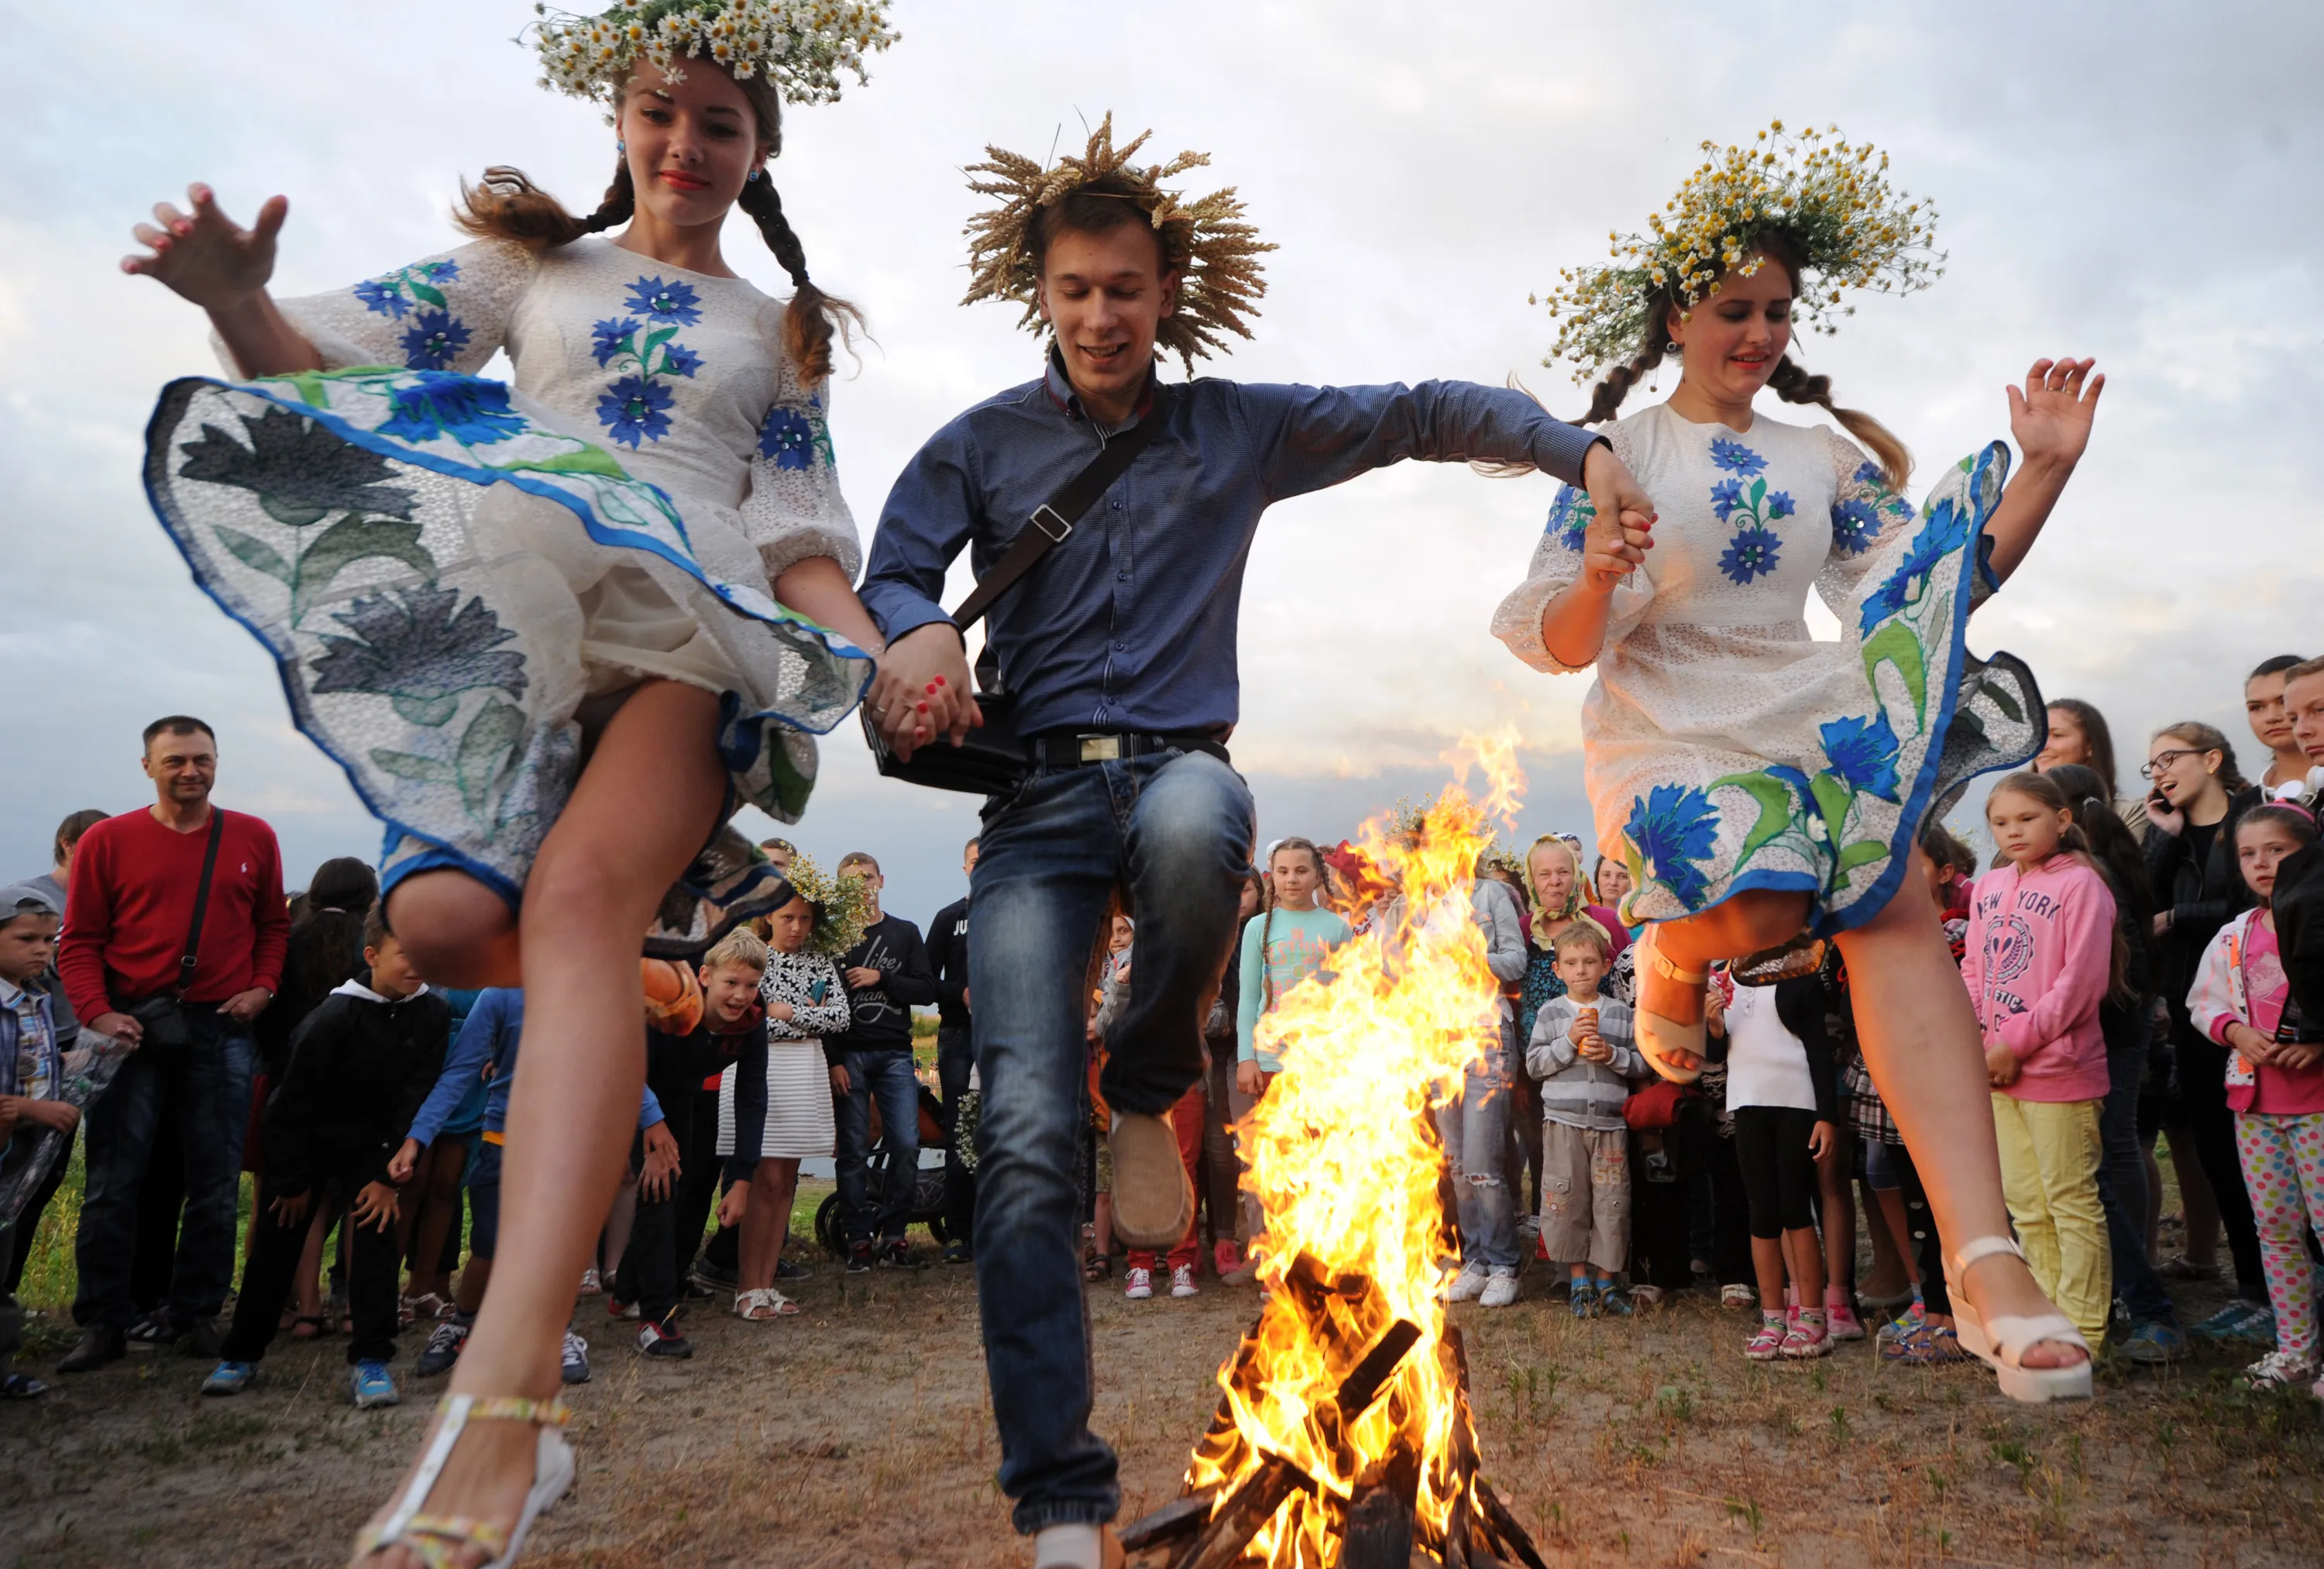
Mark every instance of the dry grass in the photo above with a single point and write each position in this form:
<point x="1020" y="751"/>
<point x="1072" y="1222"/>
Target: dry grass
<point x="860" y="1434"/>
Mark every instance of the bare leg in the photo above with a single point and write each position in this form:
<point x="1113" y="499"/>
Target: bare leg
<point x="638" y="815"/>
<point x="2197" y="1202"/>
<point x="614" y="1239"/>
<point x="1744" y="924"/>
<point x="456" y="931"/>
<point x="1919" y="1041"/>
<point x="1894" y="1226"/>
<point x="1767" y="1263"/>
<point x="1839" y="1202"/>
<point x="440" y="1171"/>
<point x="774" y="1184"/>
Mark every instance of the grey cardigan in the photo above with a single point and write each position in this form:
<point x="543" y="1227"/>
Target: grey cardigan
<point x="1575" y="1091"/>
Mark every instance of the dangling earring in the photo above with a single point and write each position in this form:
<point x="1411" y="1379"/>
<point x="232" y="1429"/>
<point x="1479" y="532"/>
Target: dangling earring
<point x="621" y="146"/>
<point x="757" y="175"/>
<point x="1670" y="347"/>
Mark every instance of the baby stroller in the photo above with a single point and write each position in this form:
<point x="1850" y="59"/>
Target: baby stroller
<point x="927" y="1185"/>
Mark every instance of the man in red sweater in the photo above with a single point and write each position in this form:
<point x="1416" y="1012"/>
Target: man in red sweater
<point x="131" y="908"/>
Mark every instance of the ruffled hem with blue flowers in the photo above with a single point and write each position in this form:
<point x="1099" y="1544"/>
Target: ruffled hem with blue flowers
<point x="1724" y="748"/>
<point x="447" y="570"/>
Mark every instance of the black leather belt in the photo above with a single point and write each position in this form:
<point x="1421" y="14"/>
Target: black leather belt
<point x="1072" y="749"/>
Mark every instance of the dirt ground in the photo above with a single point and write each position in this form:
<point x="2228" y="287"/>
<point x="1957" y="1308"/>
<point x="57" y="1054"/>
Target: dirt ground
<point x="859" y="1434"/>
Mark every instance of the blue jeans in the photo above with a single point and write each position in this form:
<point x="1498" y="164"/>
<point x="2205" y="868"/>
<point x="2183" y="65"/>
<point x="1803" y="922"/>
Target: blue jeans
<point x="1475" y="1130"/>
<point x="2122" y="1189"/>
<point x="886" y="1074"/>
<point x="1174" y="830"/>
<point x="205" y="1086"/>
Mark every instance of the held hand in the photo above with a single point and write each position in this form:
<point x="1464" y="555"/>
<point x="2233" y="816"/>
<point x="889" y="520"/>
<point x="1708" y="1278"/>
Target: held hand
<point x="840" y="1083"/>
<point x="245" y="1006"/>
<point x="207" y="258"/>
<point x="2162" y="922"/>
<point x="2001" y="1066"/>
<point x="374" y="1206"/>
<point x="404" y="1162"/>
<point x="862" y="977"/>
<point x="120" y="1027"/>
<point x="2257" y="1050"/>
<point x="661" y="1163"/>
<point x="924" y="689"/>
<point x="1823" y="1139"/>
<point x="1248" y="1079"/>
<point x="62" y="1115"/>
<point x="1621" y="529"/>
<point x="2051" y="416"/>
<point x="735" y="1206"/>
<point x="1596" y="1050"/>
<point x="291" y="1208"/>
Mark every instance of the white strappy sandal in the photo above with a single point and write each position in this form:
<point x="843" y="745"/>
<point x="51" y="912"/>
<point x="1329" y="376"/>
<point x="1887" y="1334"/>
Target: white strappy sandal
<point x="2000" y="1342"/>
<point x="434" y="1538"/>
<point x="1658" y="1037"/>
<point x="763" y="1304"/>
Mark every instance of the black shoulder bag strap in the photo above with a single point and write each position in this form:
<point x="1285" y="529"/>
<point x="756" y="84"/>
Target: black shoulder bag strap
<point x="192" y="955"/>
<point x="1053" y="521"/>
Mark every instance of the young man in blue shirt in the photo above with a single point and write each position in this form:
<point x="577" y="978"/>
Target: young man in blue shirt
<point x="1119" y="650"/>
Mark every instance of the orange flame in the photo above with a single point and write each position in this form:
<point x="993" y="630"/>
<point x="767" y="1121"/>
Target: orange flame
<point x="1346" y="1165"/>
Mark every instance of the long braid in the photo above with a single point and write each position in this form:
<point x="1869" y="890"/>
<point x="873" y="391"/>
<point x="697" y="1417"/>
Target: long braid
<point x="505" y="204"/>
<point x="814" y="318"/>
<point x="620" y="201"/>
<point x="1606" y="398"/>
<point x="1791" y="384"/>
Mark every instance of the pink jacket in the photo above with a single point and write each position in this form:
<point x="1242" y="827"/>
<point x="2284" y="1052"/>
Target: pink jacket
<point x="2040" y="950"/>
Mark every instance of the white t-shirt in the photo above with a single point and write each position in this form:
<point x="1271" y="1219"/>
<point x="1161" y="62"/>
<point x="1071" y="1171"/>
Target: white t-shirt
<point x="1766" y="1066"/>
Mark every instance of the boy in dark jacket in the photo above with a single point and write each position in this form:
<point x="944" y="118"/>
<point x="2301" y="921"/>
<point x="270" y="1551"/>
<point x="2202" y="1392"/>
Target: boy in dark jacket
<point x="887" y="977"/>
<point x="360" y="1065"/>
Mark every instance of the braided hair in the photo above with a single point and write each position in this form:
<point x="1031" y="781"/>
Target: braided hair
<point x="507" y="206"/>
<point x="1790" y="381"/>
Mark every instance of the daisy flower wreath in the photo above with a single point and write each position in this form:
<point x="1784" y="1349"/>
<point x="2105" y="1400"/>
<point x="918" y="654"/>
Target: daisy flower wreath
<point x="842" y="905"/>
<point x="802" y="45"/>
<point x="1214" y="250"/>
<point x="1830" y="201"/>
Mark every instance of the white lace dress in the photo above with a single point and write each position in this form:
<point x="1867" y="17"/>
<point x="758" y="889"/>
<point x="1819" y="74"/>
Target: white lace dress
<point x="1725" y="749"/>
<point x="447" y="569"/>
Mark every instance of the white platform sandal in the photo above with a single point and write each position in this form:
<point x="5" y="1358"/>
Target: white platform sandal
<point x="1999" y="1343"/>
<point x="436" y="1539"/>
<point x="1657" y="1037"/>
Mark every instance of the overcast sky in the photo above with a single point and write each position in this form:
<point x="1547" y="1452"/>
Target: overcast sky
<point x="2134" y="182"/>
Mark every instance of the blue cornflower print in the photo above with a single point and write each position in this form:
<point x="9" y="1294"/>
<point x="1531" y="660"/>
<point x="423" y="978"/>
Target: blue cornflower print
<point x="787" y="439"/>
<point x="1736" y="458"/>
<point x="635" y="407"/>
<point x="1726" y="496"/>
<point x="1946" y="531"/>
<point x="443" y="272"/>
<point x="433" y="340"/>
<point x="383" y="297"/>
<point x="678" y="360"/>
<point x="467" y="409"/>
<point x="1870" y="473"/>
<point x="1863" y="754"/>
<point x="1751" y="553"/>
<point x="1569" y="517"/>
<point x="611" y="336"/>
<point x="1673" y="828"/>
<point x="1855" y="524"/>
<point x="1780" y="505"/>
<point x="663" y="301"/>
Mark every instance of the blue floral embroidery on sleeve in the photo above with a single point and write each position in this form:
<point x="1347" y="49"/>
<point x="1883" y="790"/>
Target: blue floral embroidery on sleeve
<point x="787" y="439"/>
<point x="395" y="293"/>
<point x="1855" y="525"/>
<point x="434" y="340"/>
<point x="382" y="297"/>
<point x="1569" y="517"/>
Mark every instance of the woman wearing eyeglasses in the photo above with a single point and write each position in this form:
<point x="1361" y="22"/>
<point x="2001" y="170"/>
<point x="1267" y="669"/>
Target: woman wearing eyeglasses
<point x="2197" y="796"/>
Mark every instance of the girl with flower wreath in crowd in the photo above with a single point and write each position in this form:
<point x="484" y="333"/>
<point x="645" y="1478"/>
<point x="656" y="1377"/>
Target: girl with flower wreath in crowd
<point x="555" y="633"/>
<point x="1768" y="788"/>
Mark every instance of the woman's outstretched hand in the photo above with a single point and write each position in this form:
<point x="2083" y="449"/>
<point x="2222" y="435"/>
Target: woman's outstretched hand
<point x="2050" y="416"/>
<point x="1622" y="531"/>
<point x="206" y="256"/>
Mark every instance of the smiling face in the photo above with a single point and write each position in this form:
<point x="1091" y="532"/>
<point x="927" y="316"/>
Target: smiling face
<point x="691" y="144"/>
<point x="727" y="991"/>
<point x="2181" y="771"/>
<point x="1105" y="294"/>
<point x="183" y="765"/>
<point x="2067" y="743"/>
<point x="1734" y="339"/>
<point x="1296" y="876"/>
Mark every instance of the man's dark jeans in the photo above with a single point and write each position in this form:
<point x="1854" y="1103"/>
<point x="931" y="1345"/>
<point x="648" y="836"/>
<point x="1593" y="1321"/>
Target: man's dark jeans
<point x="1174" y="830"/>
<point x="2122" y="1189"/>
<point x="955" y="1055"/>
<point x="886" y="1074"/>
<point x="204" y="1088"/>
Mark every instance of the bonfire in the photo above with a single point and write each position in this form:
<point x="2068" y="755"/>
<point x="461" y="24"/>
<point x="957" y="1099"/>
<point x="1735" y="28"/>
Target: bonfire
<point x="1343" y="1434"/>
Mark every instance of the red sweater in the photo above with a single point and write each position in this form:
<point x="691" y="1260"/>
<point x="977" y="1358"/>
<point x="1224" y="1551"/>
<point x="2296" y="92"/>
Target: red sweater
<point x="132" y="900"/>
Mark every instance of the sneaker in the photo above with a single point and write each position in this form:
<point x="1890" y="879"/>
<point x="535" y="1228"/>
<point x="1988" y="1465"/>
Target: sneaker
<point x="1140" y="1284"/>
<point x="786" y="1270"/>
<point x="859" y="1258"/>
<point x="1841" y="1323"/>
<point x="617" y="1308"/>
<point x="1500" y="1288"/>
<point x="369" y="1385"/>
<point x="1582" y="1299"/>
<point x="20" y="1387"/>
<point x="573" y="1360"/>
<point x="2152" y="1346"/>
<point x="1767" y="1345"/>
<point x="1737" y="1295"/>
<point x="956" y="1251"/>
<point x="592" y="1283"/>
<point x="443" y="1343"/>
<point x="1182" y="1281"/>
<point x="1469" y="1283"/>
<point x="230" y="1379"/>
<point x="2238" y="1321"/>
<point x="97" y="1347"/>
<point x="663" y="1342"/>
<point x="712" y="1278"/>
<point x="1808" y="1336"/>
<point x="1613" y="1301"/>
<point x="152" y="1333"/>
<point x="895" y="1253"/>
<point x="1226" y="1260"/>
<point x="1647" y="1296"/>
<point x="1904" y="1326"/>
<point x="2279" y="1370"/>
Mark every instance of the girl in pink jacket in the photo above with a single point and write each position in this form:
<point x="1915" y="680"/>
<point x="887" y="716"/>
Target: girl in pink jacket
<point x="2039" y="959"/>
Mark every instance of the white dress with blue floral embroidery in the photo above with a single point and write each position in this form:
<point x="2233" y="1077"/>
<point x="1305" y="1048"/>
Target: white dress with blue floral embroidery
<point x="1724" y="748"/>
<point x="447" y="568"/>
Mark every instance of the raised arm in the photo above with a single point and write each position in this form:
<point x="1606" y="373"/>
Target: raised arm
<point x="2051" y="419"/>
<point x="209" y="258"/>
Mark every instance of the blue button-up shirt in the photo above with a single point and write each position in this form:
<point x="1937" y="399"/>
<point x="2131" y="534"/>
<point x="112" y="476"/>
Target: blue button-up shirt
<point x="1129" y="624"/>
